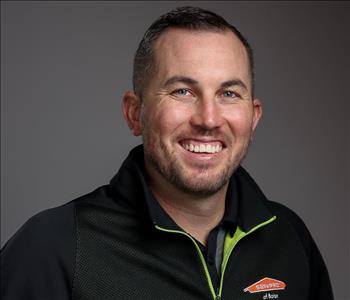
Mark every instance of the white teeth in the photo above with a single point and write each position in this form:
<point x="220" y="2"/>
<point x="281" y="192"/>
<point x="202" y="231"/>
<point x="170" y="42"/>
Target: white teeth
<point x="203" y="148"/>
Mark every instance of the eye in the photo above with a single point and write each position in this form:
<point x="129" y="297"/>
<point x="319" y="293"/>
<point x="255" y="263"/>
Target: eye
<point x="229" y="94"/>
<point x="181" y="92"/>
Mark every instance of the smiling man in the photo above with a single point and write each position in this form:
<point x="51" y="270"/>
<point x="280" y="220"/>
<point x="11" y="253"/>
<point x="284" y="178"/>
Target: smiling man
<point x="181" y="219"/>
<point x="196" y="116"/>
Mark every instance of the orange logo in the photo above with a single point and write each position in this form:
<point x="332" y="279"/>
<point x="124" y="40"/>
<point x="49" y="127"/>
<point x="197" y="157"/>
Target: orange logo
<point x="265" y="285"/>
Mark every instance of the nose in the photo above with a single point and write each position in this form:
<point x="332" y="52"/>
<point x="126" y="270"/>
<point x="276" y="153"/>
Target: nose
<point x="207" y="114"/>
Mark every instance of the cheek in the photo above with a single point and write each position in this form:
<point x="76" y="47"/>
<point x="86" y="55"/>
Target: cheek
<point x="239" y="121"/>
<point x="164" y="119"/>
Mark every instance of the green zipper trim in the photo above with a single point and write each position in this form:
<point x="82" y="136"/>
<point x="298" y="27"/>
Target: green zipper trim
<point x="211" y="287"/>
<point x="231" y="242"/>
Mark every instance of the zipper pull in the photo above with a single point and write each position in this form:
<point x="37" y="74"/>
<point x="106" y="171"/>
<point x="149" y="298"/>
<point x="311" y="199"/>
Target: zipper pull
<point x="217" y="297"/>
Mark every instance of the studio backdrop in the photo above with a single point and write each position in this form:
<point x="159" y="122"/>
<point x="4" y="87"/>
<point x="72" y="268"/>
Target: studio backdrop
<point x="65" y="66"/>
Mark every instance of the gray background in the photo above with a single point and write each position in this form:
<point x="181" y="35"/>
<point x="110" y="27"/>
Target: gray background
<point x="65" y="66"/>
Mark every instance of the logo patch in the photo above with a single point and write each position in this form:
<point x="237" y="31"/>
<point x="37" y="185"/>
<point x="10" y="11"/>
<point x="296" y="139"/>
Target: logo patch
<point x="265" y="285"/>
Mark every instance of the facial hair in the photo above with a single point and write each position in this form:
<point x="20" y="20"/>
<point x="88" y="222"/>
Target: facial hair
<point x="173" y="171"/>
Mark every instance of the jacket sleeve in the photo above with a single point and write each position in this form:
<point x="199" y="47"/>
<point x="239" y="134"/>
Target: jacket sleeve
<point x="320" y="285"/>
<point x="37" y="263"/>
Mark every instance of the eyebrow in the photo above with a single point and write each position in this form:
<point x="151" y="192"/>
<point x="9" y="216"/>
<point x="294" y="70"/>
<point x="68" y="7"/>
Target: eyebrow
<point x="182" y="79"/>
<point x="191" y="81"/>
<point x="234" y="82"/>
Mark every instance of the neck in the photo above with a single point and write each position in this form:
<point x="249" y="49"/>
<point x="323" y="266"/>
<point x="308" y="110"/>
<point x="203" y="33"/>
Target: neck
<point x="197" y="215"/>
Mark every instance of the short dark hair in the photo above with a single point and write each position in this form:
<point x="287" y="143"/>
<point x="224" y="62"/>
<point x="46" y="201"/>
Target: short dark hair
<point x="187" y="17"/>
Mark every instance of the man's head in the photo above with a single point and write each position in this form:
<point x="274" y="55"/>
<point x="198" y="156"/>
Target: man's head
<point x="197" y="112"/>
<point x="191" y="18"/>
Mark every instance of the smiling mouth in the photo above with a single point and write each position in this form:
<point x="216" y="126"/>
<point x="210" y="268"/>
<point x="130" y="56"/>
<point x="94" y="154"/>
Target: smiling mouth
<point x="198" y="147"/>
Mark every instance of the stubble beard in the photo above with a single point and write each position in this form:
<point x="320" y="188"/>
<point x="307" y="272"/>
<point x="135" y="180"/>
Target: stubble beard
<point x="174" y="172"/>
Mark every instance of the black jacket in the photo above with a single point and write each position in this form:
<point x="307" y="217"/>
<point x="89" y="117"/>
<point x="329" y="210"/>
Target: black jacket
<point x="108" y="245"/>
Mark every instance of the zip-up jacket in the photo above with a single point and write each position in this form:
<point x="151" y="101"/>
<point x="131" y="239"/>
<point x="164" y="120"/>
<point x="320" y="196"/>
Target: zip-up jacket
<point x="109" y="245"/>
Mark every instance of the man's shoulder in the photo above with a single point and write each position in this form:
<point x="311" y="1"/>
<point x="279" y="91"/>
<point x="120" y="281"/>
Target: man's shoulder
<point x="46" y="236"/>
<point x="279" y="209"/>
<point x="50" y="219"/>
<point x="287" y="215"/>
<point x="54" y="225"/>
<point x="43" y="251"/>
<point x="282" y="211"/>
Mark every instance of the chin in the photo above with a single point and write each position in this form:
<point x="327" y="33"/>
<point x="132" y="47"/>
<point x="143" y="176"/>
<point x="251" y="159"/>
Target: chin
<point x="200" y="184"/>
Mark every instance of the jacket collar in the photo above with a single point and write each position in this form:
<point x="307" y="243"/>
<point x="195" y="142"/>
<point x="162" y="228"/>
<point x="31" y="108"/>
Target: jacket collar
<point x="245" y="201"/>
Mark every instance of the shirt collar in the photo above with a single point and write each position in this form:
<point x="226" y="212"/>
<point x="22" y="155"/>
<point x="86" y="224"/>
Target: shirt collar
<point x="160" y="217"/>
<point x="229" y="220"/>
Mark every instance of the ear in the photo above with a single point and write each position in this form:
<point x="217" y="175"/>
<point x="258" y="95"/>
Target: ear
<point x="132" y="112"/>
<point x="257" y="112"/>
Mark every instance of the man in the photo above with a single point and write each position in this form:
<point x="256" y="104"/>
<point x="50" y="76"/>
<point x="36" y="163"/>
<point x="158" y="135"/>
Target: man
<point x="181" y="219"/>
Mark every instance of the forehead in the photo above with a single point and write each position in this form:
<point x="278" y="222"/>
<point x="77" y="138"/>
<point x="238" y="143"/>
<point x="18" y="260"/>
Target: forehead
<point x="198" y="52"/>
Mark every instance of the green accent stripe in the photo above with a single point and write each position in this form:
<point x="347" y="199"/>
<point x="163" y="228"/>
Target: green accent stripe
<point x="200" y="256"/>
<point x="231" y="242"/>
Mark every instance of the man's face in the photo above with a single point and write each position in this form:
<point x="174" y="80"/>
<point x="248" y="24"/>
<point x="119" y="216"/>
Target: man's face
<point x="198" y="115"/>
